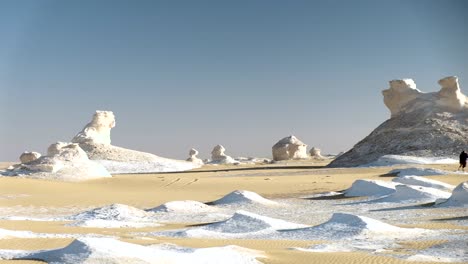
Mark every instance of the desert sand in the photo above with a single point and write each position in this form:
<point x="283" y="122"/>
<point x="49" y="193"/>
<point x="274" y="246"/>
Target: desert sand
<point x="293" y="179"/>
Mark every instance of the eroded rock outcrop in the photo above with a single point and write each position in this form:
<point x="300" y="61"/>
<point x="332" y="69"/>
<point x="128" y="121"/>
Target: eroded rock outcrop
<point x="315" y="153"/>
<point x="289" y="148"/>
<point x="421" y="124"/>
<point x="219" y="157"/>
<point x="95" y="140"/>
<point x="64" y="161"/>
<point x="193" y="157"/>
<point x="27" y="156"/>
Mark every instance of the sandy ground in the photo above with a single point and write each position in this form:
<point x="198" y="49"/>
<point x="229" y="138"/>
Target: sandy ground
<point x="284" y="180"/>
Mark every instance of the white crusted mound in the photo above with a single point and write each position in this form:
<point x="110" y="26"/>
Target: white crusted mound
<point x="370" y="188"/>
<point x="64" y="161"/>
<point x="186" y="206"/>
<point x="219" y="157"/>
<point x="109" y="250"/>
<point x="418" y="172"/>
<point x="421" y="125"/>
<point x="459" y="197"/>
<point x="241" y="224"/>
<point x="410" y="193"/>
<point x="94" y="139"/>
<point x="343" y="225"/>
<point x="241" y="196"/>
<point x="113" y="216"/>
<point x="390" y="160"/>
<point x="289" y="148"/>
<point x="421" y="181"/>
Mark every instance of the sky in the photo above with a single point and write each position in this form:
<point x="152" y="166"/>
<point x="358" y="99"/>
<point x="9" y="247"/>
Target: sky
<point x="244" y="74"/>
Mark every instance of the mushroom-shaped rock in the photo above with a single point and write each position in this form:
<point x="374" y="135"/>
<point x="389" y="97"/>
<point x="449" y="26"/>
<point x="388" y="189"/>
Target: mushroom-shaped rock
<point x="289" y="148"/>
<point x="95" y="140"/>
<point x="27" y="156"/>
<point x="65" y="161"/>
<point x="193" y="157"/>
<point x="429" y="125"/>
<point x="218" y="156"/>
<point x="315" y="153"/>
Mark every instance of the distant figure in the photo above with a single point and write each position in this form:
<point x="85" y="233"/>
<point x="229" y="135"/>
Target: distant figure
<point x="463" y="157"/>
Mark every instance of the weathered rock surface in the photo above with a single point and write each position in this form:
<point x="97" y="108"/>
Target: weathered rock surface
<point x="219" y="157"/>
<point x="421" y="124"/>
<point x="315" y="153"/>
<point x="95" y="140"/>
<point x="289" y="148"/>
<point x="64" y="161"/>
<point x="193" y="157"/>
<point x="27" y="156"/>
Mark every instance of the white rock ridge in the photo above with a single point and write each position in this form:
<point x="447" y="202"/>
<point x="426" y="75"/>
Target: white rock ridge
<point x="422" y="124"/>
<point x="242" y="224"/>
<point x="64" y="161"/>
<point x="110" y="250"/>
<point x="95" y="140"/>
<point x="375" y="188"/>
<point x="289" y="148"/>
<point x="242" y="196"/>
<point x="193" y="157"/>
<point x="218" y="156"/>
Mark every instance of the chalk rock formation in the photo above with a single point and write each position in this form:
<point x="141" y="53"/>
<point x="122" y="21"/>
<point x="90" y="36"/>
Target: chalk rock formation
<point x="421" y="124"/>
<point x="289" y="148"/>
<point x="399" y="94"/>
<point x="64" y="161"/>
<point x="27" y="156"/>
<point x="219" y="157"/>
<point x="98" y="130"/>
<point x="95" y="140"/>
<point x="193" y="157"/>
<point x="315" y="153"/>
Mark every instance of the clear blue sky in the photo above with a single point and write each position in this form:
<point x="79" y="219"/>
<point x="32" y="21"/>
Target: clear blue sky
<point x="182" y="74"/>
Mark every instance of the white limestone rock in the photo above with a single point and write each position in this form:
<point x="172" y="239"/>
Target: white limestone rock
<point x="219" y="157"/>
<point x="450" y="96"/>
<point x="95" y="140"/>
<point x="315" y="153"/>
<point x="64" y="161"/>
<point x="193" y="157"/>
<point x="289" y="148"/>
<point x="422" y="124"/>
<point x="98" y="130"/>
<point x="399" y="94"/>
<point x="27" y="156"/>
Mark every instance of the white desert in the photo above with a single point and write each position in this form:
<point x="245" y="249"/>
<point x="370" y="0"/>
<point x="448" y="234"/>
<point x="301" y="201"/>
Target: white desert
<point x="393" y="198"/>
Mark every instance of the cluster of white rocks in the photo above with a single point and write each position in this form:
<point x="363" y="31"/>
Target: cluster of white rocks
<point x="64" y="161"/>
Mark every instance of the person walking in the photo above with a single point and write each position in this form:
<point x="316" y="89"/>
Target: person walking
<point x="463" y="157"/>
